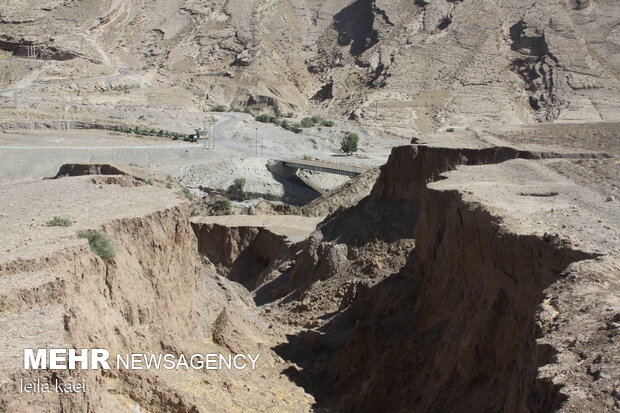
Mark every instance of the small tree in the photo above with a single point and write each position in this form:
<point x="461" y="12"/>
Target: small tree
<point x="237" y="189"/>
<point x="239" y="184"/>
<point x="349" y="143"/>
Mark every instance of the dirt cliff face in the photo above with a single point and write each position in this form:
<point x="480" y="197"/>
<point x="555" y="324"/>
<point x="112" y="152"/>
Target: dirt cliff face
<point x="467" y="338"/>
<point x="153" y="296"/>
<point x="469" y="320"/>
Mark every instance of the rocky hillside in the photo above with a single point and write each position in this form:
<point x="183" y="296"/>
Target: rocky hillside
<point x="425" y="63"/>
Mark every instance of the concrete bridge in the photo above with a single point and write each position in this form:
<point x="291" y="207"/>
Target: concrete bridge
<point x="323" y="166"/>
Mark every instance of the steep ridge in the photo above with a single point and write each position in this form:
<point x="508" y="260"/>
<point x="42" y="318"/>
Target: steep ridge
<point x="405" y="67"/>
<point x="470" y="320"/>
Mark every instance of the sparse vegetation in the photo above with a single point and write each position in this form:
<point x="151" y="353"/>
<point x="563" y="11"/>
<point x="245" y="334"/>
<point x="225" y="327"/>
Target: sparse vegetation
<point x="169" y="185"/>
<point x="239" y="183"/>
<point x="263" y="117"/>
<point x="187" y="192"/>
<point x="307" y="158"/>
<point x="59" y="222"/>
<point x="219" y="108"/>
<point x="122" y="88"/>
<point x="307" y="122"/>
<point x="349" y="143"/>
<point x="237" y="189"/>
<point x="149" y="181"/>
<point x="136" y="130"/>
<point x="221" y="205"/>
<point x="100" y="243"/>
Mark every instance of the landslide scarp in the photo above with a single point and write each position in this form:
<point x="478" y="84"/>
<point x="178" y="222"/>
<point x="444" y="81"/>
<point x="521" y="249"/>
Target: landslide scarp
<point x="473" y="313"/>
<point x="153" y="296"/>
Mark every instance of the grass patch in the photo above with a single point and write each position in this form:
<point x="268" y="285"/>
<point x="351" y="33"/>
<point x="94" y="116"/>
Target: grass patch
<point x="99" y="243"/>
<point x="187" y="192"/>
<point x="122" y="88"/>
<point x="59" y="222"/>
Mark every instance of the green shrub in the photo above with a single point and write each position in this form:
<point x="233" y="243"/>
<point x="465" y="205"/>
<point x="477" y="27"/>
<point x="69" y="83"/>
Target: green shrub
<point x="285" y="124"/>
<point x="59" y="222"/>
<point x="247" y="110"/>
<point x="237" y="189"/>
<point x="187" y="192"/>
<point x="316" y="119"/>
<point x="296" y="129"/>
<point x="169" y="185"/>
<point x="264" y="118"/>
<point x="290" y="115"/>
<point x="99" y="243"/>
<point x="218" y="108"/>
<point x="328" y="123"/>
<point x="149" y="181"/>
<point x="349" y="143"/>
<point x="450" y="129"/>
<point x="307" y="123"/>
<point x="221" y="205"/>
<point x="239" y="183"/>
<point x="122" y="88"/>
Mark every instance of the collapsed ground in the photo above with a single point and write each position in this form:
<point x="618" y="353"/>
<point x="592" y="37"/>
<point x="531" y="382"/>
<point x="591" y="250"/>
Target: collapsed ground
<point x="493" y="287"/>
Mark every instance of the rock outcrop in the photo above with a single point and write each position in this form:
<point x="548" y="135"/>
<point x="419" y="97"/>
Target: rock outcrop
<point x="405" y="67"/>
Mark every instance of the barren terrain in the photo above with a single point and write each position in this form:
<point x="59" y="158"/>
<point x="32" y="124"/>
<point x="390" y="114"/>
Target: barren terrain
<point x="472" y="264"/>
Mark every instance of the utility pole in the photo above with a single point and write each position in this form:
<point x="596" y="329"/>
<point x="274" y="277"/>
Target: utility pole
<point x="254" y="32"/>
<point x="15" y="98"/>
<point x="204" y="145"/>
<point x="212" y="124"/>
<point x="256" y="140"/>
